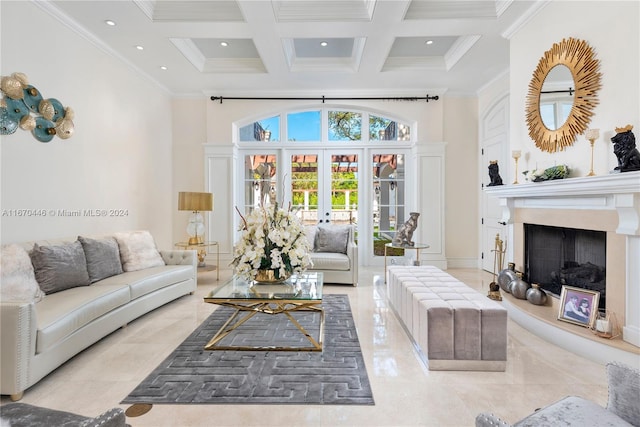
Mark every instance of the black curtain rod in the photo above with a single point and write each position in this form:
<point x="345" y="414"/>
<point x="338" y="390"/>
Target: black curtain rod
<point x="323" y="99"/>
<point x="569" y="91"/>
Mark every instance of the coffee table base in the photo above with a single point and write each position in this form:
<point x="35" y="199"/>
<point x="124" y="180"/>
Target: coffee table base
<point x="245" y="311"/>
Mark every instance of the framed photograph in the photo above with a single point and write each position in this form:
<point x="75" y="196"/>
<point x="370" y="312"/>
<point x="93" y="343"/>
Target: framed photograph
<point x="578" y="306"/>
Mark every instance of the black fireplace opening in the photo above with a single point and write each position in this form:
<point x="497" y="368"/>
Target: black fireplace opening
<point x="557" y="256"/>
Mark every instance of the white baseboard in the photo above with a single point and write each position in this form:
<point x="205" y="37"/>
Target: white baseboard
<point x="462" y="262"/>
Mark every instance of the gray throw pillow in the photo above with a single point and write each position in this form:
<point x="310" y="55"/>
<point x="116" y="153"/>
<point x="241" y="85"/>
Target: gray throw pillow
<point x="103" y="257"/>
<point x="624" y="390"/>
<point x="59" y="267"/>
<point x="332" y="238"/>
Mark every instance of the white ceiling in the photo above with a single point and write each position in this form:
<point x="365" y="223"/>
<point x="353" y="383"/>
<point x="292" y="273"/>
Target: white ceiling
<point x="374" y="46"/>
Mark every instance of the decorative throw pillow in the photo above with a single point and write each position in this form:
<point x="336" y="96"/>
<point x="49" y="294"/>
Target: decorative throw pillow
<point x="333" y="238"/>
<point x="103" y="257"/>
<point x="59" y="267"/>
<point x="310" y="234"/>
<point x="624" y="389"/>
<point x="17" y="280"/>
<point x="138" y="250"/>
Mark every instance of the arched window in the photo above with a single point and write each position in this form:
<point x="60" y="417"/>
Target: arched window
<point x="322" y="125"/>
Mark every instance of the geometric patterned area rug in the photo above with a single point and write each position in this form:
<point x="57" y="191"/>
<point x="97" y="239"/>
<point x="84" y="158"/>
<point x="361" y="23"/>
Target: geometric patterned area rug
<point x="337" y="375"/>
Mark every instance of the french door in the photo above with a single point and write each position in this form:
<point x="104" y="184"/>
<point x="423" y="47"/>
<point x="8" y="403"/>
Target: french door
<point x="364" y="187"/>
<point x="323" y="185"/>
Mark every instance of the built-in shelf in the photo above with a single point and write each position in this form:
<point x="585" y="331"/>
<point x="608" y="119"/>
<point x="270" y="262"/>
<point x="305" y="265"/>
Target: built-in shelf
<point x="617" y="183"/>
<point x="543" y="321"/>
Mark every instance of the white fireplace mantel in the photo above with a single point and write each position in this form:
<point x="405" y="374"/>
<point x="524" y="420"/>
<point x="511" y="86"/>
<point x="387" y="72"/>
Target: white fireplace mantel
<point x="619" y="192"/>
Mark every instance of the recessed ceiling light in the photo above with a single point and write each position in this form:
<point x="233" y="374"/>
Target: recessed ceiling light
<point x="139" y="47"/>
<point x="110" y="23"/>
<point x="323" y="44"/>
<point x="163" y="67"/>
<point x="224" y="44"/>
<point x="429" y="42"/>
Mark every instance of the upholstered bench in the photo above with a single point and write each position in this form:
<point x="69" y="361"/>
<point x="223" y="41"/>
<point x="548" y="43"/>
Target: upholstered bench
<point x="453" y="326"/>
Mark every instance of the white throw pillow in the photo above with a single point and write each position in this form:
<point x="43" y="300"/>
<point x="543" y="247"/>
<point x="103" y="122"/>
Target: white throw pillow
<point x="17" y="279"/>
<point x="138" y="250"/>
<point x="310" y="234"/>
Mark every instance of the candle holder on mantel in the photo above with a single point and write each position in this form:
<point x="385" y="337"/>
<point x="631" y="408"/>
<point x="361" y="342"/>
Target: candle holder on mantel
<point x="516" y="155"/>
<point x="592" y="135"/>
<point x="606" y="325"/>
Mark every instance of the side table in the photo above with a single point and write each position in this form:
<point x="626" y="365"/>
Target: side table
<point x="417" y="247"/>
<point x="201" y="248"/>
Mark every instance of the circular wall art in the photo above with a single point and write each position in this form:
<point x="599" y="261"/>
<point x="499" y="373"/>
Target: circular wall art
<point x="580" y="59"/>
<point x="8" y="124"/>
<point x="24" y="106"/>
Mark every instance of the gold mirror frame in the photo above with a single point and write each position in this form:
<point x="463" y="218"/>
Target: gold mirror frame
<point x="579" y="57"/>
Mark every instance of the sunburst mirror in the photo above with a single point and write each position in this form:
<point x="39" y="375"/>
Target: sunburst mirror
<point x="550" y="128"/>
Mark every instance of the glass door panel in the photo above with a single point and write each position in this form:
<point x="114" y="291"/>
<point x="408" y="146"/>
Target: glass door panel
<point x="260" y="174"/>
<point x="304" y="186"/>
<point x="388" y="204"/>
<point x="324" y="186"/>
<point x="344" y="189"/>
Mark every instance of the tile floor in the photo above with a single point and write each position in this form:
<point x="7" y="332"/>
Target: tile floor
<point x="406" y="393"/>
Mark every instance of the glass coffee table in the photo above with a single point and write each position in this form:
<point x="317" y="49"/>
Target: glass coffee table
<point x="302" y="292"/>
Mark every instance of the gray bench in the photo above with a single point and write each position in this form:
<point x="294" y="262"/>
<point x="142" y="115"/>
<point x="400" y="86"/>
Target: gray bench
<point x="453" y="326"/>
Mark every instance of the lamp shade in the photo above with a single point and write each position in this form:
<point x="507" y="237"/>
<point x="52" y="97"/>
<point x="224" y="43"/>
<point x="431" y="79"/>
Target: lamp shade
<point x="191" y="201"/>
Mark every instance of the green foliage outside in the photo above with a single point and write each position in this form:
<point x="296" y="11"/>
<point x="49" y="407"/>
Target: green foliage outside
<point x="347" y="126"/>
<point x="308" y="181"/>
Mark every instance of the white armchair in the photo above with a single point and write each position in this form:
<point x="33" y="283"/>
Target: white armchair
<point x="335" y="253"/>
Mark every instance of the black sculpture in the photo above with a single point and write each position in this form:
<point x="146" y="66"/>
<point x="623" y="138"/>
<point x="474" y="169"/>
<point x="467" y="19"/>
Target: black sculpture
<point x="494" y="174"/>
<point x="624" y="147"/>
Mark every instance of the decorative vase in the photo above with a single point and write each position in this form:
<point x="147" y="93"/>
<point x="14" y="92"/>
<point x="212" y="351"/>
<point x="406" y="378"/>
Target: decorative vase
<point x="535" y="295"/>
<point x="518" y="288"/>
<point x="269" y="277"/>
<point x="506" y="276"/>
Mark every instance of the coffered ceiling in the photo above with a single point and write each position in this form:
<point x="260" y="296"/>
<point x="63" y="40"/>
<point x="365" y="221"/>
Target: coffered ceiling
<point x="304" y="46"/>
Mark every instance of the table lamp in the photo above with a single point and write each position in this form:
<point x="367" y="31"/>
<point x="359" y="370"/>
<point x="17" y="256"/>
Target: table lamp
<point x="196" y="203"/>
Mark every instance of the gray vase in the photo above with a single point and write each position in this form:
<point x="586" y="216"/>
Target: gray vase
<point x="535" y="295"/>
<point x="505" y="277"/>
<point x="518" y="288"/>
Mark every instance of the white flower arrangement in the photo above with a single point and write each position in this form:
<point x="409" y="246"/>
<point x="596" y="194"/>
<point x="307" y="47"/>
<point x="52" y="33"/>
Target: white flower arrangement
<point x="272" y="239"/>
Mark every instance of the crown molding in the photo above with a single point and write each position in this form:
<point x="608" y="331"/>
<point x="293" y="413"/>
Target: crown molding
<point x="524" y="19"/>
<point x="52" y="10"/>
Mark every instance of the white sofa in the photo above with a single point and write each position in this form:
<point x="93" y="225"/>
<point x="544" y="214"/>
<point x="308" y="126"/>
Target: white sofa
<point x="335" y="253"/>
<point x="38" y="335"/>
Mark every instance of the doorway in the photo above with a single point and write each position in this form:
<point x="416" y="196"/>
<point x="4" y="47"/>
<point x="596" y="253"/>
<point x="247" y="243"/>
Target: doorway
<point x="494" y="142"/>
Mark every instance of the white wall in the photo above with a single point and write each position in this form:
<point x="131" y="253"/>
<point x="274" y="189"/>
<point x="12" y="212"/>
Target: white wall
<point x="612" y="30"/>
<point x="462" y="188"/>
<point x="120" y="156"/>
<point x="189" y="134"/>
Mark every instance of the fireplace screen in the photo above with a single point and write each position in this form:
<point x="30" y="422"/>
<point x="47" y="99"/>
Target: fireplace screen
<point x="557" y="256"/>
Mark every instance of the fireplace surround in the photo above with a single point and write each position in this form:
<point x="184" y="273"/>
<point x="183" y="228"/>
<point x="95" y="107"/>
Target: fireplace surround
<point x="610" y="204"/>
<point x="558" y="256"/>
